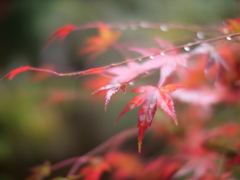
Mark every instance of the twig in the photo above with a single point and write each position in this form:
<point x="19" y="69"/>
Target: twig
<point x="78" y="161"/>
<point x="149" y="25"/>
<point x="103" y="68"/>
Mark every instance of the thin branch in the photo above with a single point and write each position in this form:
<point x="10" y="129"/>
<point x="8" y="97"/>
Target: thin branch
<point x="77" y="164"/>
<point x="64" y="163"/>
<point x="103" y="68"/>
<point x="78" y="161"/>
<point x="150" y="25"/>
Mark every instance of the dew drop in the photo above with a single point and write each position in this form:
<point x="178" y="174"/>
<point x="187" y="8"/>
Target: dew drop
<point x="225" y="31"/>
<point x="131" y="83"/>
<point x="200" y="35"/>
<point x="164" y="28"/>
<point x="140" y="59"/>
<point x="133" y="27"/>
<point x="186" y="48"/>
<point x="123" y="27"/>
<point x="162" y="53"/>
<point x="144" y="24"/>
<point x="229" y="38"/>
<point x="151" y="57"/>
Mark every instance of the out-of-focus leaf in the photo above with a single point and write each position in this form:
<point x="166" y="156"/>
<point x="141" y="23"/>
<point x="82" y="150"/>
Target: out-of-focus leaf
<point x="60" y="33"/>
<point x="14" y="72"/>
<point x="40" y="172"/>
<point x="97" y="166"/>
<point x="96" y="45"/>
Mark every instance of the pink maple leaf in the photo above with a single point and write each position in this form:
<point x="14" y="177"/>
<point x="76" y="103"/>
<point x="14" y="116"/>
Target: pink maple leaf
<point x="125" y="73"/>
<point x="213" y="57"/>
<point x="167" y="62"/>
<point x="111" y="90"/>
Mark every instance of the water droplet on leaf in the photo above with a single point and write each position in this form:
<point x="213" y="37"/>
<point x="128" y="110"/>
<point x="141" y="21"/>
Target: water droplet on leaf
<point x="123" y="27"/>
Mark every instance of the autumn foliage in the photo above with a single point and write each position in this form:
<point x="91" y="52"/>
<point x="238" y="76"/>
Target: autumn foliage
<point x="194" y="77"/>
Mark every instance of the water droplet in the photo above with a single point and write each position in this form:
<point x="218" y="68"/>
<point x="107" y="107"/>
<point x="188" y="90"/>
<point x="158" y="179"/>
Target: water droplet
<point x="131" y="83"/>
<point x="133" y="27"/>
<point x="162" y="53"/>
<point x="164" y="28"/>
<point x="123" y="27"/>
<point x="229" y="38"/>
<point x="140" y="59"/>
<point x="225" y="30"/>
<point x="144" y="24"/>
<point x="186" y="48"/>
<point x="200" y="35"/>
<point x="151" y="57"/>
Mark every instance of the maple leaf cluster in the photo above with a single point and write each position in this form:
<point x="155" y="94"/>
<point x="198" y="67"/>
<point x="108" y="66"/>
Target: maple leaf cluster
<point x="197" y="75"/>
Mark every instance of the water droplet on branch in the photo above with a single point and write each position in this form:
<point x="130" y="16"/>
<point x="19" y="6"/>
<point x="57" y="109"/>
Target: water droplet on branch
<point x="151" y="57"/>
<point x="229" y="38"/>
<point x="131" y="83"/>
<point x="133" y="27"/>
<point x="162" y="53"/>
<point x="123" y="27"/>
<point x="144" y="24"/>
<point x="225" y="31"/>
<point x="164" y="28"/>
<point x="186" y="48"/>
<point x="200" y="35"/>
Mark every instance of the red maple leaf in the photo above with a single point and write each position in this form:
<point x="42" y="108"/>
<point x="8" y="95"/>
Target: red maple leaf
<point x="161" y="168"/>
<point x="151" y="98"/>
<point x="14" y="72"/>
<point x="111" y="90"/>
<point x="124" y="165"/>
<point x="95" y="169"/>
<point x="199" y="159"/>
<point x="60" y="33"/>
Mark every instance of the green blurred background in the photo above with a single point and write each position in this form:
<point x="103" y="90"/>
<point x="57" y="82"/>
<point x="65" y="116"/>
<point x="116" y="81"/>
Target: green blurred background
<point x="56" y="118"/>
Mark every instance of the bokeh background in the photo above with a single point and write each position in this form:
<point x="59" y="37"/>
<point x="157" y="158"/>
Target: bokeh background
<point x="48" y="118"/>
